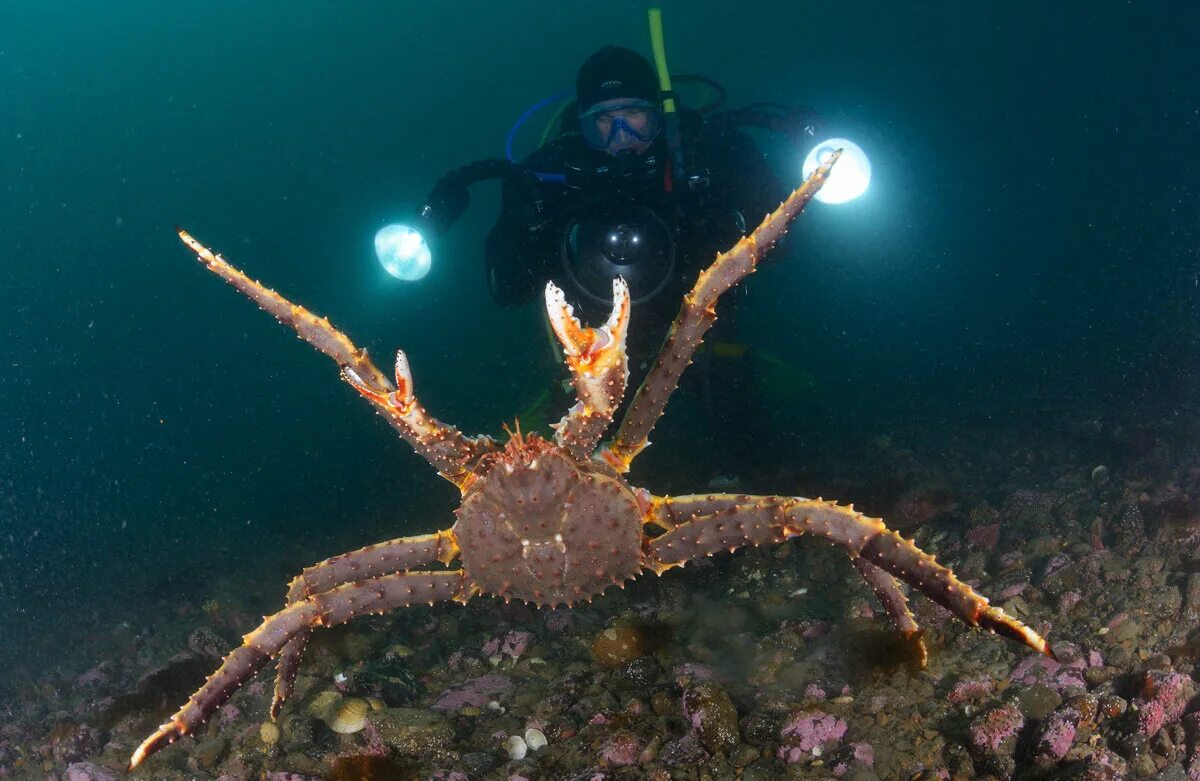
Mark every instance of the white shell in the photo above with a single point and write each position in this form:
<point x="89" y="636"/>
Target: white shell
<point x="535" y="739"/>
<point x="516" y="747"/>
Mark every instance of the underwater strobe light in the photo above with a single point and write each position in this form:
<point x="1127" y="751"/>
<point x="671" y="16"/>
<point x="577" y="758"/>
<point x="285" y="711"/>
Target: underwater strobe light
<point x="403" y="252"/>
<point x="848" y="179"/>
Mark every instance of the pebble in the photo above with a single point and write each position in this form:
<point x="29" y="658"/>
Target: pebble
<point x="208" y="753"/>
<point x="268" y="733"/>
<point x="708" y="708"/>
<point x="618" y="645"/>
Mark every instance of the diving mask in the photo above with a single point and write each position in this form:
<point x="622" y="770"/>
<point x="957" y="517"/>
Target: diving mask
<point x="617" y="126"/>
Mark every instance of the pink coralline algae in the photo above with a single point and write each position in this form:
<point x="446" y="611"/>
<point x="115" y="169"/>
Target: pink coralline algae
<point x="1043" y="669"/>
<point x="1069" y="600"/>
<point x="807" y="730"/>
<point x="862" y="752"/>
<point x="475" y="692"/>
<point x="1164" y="699"/>
<point x="995" y="727"/>
<point x="512" y="645"/>
<point x="970" y="689"/>
<point x="1056" y="736"/>
<point x="621" y="750"/>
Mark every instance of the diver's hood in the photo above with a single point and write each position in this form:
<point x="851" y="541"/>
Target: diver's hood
<point x="631" y="242"/>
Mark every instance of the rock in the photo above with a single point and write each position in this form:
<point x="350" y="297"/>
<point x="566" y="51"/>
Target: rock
<point x="708" y="709"/>
<point x="71" y="741"/>
<point x="479" y="762"/>
<point x="618" y="645"/>
<point x="1038" y="701"/>
<point x="684" y="751"/>
<point x="993" y="739"/>
<point x="86" y="771"/>
<point x="208" y="753"/>
<point x="412" y="732"/>
<point x="476" y="692"/>
<point x="297" y="731"/>
<point x="207" y="643"/>
<point x="1055" y="737"/>
<point x="621" y="750"/>
<point x="641" y="673"/>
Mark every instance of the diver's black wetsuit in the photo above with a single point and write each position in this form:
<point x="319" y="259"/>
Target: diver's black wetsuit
<point x="731" y="191"/>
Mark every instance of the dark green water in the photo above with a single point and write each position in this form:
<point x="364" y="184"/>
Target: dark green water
<point x="1029" y="250"/>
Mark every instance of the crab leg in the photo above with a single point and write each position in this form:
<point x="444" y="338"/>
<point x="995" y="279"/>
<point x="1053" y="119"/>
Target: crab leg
<point x="599" y="368"/>
<point x="696" y="316"/>
<point x="369" y="562"/>
<point x="671" y="513"/>
<point x="330" y="608"/>
<point x="451" y="453"/>
<point x="895" y="604"/>
<point x="755" y="520"/>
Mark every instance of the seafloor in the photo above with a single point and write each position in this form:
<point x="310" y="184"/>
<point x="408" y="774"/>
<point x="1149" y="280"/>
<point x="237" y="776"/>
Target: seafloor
<point x="773" y="663"/>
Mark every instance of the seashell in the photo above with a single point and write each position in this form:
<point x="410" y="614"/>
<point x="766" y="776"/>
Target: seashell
<point x="535" y="739"/>
<point x="1100" y="474"/>
<point x="376" y="703"/>
<point x="348" y="716"/>
<point x="268" y="733"/>
<point x="516" y="747"/>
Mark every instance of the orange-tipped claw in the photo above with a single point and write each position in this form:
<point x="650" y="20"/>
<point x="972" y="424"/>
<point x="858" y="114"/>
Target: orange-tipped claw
<point x="589" y="346"/>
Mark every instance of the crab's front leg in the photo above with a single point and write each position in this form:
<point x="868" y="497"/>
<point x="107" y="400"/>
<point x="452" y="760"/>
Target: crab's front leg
<point x="451" y="453"/>
<point x="330" y="608"/>
<point x="720" y="523"/>
<point x="599" y="368"/>
<point x="696" y="316"/>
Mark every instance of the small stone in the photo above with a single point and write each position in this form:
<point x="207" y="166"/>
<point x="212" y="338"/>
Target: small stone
<point x="707" y="707"/>
<point x="1038" y="701"/>
<point x="618" y="645"/>
<point x="208" y="753"/>
<point x="1126" y="630"/>
<point x="269" y="733"/>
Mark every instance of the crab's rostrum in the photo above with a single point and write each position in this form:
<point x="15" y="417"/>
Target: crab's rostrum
<point x="555" y="522"/>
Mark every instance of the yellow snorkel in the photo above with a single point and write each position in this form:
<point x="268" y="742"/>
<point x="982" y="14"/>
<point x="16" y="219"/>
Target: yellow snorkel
<point x="670" y="115"/>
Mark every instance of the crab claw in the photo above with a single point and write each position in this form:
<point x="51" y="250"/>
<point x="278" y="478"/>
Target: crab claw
<point x="589" y="347"/>
<point x="400" y="399"/>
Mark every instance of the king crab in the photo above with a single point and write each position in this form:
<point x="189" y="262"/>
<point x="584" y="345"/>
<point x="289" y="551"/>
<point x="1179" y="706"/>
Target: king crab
<point x="555" y="522"/>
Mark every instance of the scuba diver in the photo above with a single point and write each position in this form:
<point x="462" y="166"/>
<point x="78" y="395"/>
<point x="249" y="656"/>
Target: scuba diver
<point x="628" y="204"/>
<point x="638" y="186"/>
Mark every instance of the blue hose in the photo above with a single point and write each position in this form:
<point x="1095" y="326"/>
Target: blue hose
<point x="512" y="133"/>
